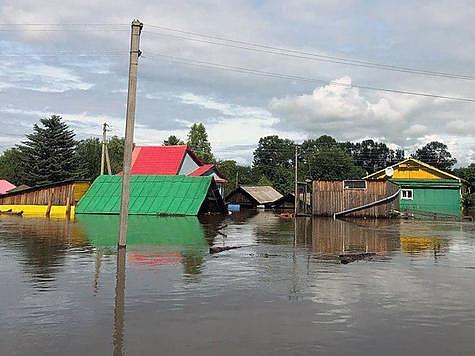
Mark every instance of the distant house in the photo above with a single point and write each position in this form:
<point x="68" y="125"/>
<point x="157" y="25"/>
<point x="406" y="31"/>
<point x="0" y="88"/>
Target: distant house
<point x="5" y="186"/>
<point x="253" y="196"/>
<point x="424" y="189"/>
<point x="154" y="195"/>
<point x="173" y="160"/>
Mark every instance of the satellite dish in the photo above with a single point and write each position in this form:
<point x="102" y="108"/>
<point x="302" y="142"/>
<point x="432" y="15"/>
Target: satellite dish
<point x="389" y="171"/>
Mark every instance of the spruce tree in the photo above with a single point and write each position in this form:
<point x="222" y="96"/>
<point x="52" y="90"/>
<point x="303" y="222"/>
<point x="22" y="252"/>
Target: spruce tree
<point x="48" y="154"/>
<point x="198" y="141"/>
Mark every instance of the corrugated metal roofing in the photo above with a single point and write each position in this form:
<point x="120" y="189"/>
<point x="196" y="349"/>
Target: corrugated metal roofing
<point x="149" y="195"/>
<point x="201" y="170"/>
<point x="263" y="194"/>
<point x="158" y="160"/>
<point x="5" y="186"/>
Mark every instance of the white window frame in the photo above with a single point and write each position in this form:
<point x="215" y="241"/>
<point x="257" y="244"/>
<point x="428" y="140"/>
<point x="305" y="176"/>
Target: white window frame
<point x="406" y="191"/>
<point x="355" y="180"/>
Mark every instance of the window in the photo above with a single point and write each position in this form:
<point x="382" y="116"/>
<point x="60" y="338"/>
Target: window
<point x="354" y="184"/>
<point x="406" y="194"/>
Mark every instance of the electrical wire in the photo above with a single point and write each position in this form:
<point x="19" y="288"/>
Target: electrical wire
<point x="265" y="48"/>
<point x="274" y="75"/>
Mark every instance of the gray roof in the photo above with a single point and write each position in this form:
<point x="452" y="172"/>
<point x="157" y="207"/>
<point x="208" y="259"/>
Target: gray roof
<point x="263" y="194"/>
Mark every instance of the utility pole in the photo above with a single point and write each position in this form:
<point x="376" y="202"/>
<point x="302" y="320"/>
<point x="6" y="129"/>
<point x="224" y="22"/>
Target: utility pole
<point x="136" y="29"/>
<point x="296" y="183"/>
<point x="105" y="151"/>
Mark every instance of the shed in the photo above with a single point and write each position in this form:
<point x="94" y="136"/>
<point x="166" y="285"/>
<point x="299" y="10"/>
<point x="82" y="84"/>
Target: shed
<point x="60" y="196"/>
<point x="357" y="198"/>
<point x="153" y="195"/>
<point x="251" y="196"/>
<point x="425" y="190"/>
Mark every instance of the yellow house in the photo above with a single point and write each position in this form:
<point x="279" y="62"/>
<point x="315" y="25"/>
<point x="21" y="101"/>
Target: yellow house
<point x="425" y="189"/>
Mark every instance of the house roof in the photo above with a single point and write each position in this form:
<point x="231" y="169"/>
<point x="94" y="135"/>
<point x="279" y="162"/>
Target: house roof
<point x="160" y="160"/>
<point x="263" y="194"/>
<point x="167" y="160"/>
<point x="5" y="186"/>
<point x="201" y="170"/>
<point x="446" y="174"/>
<point x="149" y="195"/>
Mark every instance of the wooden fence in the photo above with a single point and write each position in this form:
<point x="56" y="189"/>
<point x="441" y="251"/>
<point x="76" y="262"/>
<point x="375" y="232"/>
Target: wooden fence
<point x="51" y="194"/>
<point x="330" y="197"/>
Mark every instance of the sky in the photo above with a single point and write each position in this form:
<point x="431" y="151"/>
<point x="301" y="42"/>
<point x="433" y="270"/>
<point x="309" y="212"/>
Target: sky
<point x="80" y="72"/>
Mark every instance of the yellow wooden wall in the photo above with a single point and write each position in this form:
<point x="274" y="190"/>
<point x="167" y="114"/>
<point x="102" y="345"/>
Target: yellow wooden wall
<point x="413" y="170"/>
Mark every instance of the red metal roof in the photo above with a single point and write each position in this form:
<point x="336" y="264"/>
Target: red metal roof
<point x="201" y="170"/>
<point x="5" y="186"/>
<point x="157" y="160"/>
<point x="167" y="160"/>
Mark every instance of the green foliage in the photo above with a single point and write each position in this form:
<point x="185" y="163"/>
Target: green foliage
<point x="467" y="173"/>
<point x="173" y="141"/>
<point x="198" y="141"/>
<point x="116" y="153"/>
<point x="88" y="153"/>
<point x="48" y="154"/>
<point x="11" y="167"/>
<point x="332" y="164"/>
<point x="468" y="201"/>
<point x="274" y="159"/>
<point x="372" y="156"/>
<point x="436" y="154"/>
<point x="263" y="180"/>
<point x="236" y="174"/>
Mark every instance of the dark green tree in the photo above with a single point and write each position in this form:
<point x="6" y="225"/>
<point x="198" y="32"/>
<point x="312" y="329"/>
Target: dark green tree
<point x="436" y="154"/>
<point x="116" y="153"/>
<point x="198" y="141"/>
<point x="11" y="167"/>
<point x="173" y="141"/>
<point x="332" y="164"/>
<point x="236" y="174"/>
<point x="89" y="153"/>
<point x="372" y="156"/>
<point x="48" y="154"/>
<point x="467" y="173"/>
<point x="274" y="159"/>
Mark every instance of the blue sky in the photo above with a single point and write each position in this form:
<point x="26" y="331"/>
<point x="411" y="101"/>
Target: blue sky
<point x="51" y="76"/>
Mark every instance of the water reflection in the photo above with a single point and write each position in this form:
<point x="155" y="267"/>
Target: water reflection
<point x="118" y="332"/>
<point x="278" y="292"/>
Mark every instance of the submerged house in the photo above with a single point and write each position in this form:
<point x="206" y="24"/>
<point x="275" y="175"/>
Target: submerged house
<point x="173" y="160"/>
<point x="154" y="195"/>
<point x="253" y="196"/>
<point x="55" y="199"/>
<point x="425" y="190"/>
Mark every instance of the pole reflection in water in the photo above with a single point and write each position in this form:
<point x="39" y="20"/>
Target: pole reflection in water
<point x="118" y="334"/>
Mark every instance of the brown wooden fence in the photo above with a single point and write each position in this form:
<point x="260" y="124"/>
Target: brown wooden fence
<point x="330" y="197"/>
<point x="54" y="194"/>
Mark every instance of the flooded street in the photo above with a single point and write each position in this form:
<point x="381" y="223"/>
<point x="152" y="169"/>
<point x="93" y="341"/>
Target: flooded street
<point x="66" y="291"/>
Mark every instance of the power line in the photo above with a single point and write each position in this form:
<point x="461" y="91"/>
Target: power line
<point x="259" y="47"/>
<point x="275" y="75"/>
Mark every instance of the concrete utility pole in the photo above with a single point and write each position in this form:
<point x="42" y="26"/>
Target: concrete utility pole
<point x="105" y="151"/>
<point x="129" y="128"/>
<point x="296" y="183"/>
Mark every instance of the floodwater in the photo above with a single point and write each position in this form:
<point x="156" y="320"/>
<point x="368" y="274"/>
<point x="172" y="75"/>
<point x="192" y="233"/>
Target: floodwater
<point x="66" y="291"/>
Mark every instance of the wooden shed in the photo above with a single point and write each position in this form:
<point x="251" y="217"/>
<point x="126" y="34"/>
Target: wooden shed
<point x="356" y="198"/>
<point x="252" y="196"/>
<point x="55" y="198"/>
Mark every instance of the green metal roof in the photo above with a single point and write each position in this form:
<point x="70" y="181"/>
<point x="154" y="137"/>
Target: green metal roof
<point x="433" y="183"/>
<point x="149" y="195"/>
